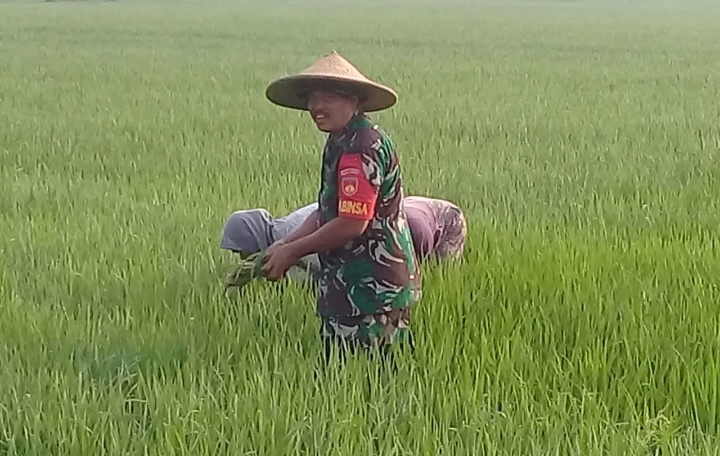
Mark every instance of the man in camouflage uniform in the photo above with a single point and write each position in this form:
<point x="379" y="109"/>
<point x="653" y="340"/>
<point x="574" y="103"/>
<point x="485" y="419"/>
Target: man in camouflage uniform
<point x="369" y="272"/>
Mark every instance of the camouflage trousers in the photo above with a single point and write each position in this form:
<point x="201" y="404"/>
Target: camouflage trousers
<point x="379" y="332"/>
<point x="451" y="243"/>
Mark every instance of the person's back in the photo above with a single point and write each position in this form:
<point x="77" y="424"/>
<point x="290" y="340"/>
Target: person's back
<point x="282" y="226"/>
<point x="285" y="225"/>
<point x="438" y="227"/>
<point x="423" y="226"/>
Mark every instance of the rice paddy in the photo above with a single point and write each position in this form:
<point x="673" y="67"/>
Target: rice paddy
<point x="580" y="138"/>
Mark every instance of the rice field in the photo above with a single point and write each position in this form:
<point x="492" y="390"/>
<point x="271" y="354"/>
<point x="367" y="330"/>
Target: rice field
<point x="582" y="140"/>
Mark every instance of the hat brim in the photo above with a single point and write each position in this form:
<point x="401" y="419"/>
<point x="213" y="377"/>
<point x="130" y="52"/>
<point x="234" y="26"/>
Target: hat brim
<point x="291" y="91"/>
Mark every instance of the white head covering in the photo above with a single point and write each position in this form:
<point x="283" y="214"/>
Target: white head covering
<point x="247" y="231"/>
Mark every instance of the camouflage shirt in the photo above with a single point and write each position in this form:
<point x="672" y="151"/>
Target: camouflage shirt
<point x="377" y="271"/>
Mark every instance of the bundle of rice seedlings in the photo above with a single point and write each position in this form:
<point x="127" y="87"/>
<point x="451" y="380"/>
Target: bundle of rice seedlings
<point x="249" y="269"/>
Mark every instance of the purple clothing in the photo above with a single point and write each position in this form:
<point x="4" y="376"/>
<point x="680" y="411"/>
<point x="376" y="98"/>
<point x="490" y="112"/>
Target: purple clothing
<point x="437" y="227"/>
<point x="423" y="226"/>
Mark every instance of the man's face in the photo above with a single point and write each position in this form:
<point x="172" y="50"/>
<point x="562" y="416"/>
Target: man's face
<point x="331" y="111"/>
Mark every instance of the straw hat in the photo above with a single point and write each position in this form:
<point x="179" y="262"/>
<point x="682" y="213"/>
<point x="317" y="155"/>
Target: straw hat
<point x="330" y="72"/>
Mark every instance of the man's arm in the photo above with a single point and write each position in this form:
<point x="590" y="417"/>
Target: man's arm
<point x="334" y="234"/>
<point x="359" y="179"/>
<point x="357" y="195"/>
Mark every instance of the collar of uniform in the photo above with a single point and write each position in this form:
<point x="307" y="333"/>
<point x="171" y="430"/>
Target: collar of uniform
<point x="358" y="120"/>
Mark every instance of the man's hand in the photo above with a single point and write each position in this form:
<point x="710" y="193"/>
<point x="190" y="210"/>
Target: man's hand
<point x="279" y="257"/>
<point x="275" y="245"/>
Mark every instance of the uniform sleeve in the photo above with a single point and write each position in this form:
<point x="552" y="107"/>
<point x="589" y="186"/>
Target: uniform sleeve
<point x="358" y="185"/>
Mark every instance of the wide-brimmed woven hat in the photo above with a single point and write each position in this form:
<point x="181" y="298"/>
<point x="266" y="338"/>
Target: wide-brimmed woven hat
<point x="332" y="72"/>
